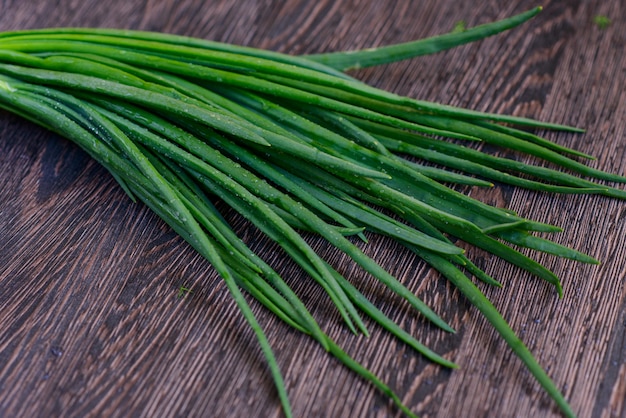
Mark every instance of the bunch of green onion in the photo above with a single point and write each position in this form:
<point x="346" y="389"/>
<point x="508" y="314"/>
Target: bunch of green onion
<point x="295" y="146"/>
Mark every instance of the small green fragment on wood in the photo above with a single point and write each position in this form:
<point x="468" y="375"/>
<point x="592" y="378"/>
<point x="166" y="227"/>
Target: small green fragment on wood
<point x="602" y="22"/>
<point x="183" y="291"/>
<point x="459" y="27"/>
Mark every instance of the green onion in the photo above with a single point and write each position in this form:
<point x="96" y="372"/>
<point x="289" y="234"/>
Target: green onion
<point x="296" y="146"/>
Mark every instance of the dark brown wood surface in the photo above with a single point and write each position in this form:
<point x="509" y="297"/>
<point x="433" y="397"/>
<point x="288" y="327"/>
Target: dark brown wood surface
<point x="90" y="319"/>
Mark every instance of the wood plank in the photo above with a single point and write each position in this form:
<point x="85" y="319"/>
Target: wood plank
<point x="92" y="324"/>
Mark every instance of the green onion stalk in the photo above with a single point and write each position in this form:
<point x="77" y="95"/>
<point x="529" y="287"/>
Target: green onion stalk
<point x="295" y="146"/>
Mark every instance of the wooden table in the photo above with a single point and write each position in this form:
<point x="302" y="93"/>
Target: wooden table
<point x="91" y="319"/>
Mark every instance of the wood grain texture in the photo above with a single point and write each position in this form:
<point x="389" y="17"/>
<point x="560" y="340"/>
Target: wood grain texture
<point x="90" y="321"/>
